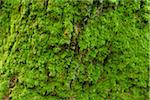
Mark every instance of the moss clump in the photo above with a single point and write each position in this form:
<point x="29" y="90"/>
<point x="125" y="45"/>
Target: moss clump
<point x="74" y="50"/>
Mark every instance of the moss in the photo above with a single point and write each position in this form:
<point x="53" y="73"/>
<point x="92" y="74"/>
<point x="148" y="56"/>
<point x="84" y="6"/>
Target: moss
<point x="74" y="50"/>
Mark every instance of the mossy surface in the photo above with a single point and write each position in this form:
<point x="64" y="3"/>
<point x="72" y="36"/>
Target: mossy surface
<point x="74" y="50"/>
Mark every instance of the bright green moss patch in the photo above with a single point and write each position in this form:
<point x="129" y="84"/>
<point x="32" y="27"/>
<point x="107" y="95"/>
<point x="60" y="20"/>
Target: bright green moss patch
<point x="74" y="50"/>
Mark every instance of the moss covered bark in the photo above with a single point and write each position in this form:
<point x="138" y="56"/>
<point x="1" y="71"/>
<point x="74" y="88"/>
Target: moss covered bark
<point x="74" y="50"/>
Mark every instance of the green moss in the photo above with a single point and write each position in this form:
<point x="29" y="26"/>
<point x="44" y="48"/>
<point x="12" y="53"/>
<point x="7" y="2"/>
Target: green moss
<point x="74" y="50"/>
